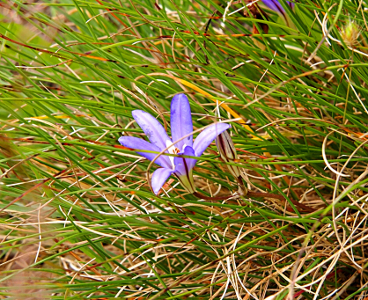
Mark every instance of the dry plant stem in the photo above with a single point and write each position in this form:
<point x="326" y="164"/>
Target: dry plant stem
<point x="200" y="195"/>
<point x="242" y="189"/>
<point x="315" y="226"/>
<point x="256" y="195"/>
<point x="270" y="195"/>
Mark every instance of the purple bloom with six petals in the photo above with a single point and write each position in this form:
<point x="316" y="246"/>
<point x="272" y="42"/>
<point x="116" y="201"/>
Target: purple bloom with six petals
<point x="181" y="126"/>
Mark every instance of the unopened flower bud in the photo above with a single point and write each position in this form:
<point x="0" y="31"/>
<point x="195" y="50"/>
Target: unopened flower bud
<point x="350" y="33"/>
<point x="227" y="150"/>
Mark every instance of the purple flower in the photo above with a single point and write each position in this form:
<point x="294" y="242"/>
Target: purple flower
<point x="181" y="126"/>
<point x="276" y="6"/>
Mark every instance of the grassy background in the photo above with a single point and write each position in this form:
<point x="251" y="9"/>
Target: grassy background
<point x="78" y="219"/>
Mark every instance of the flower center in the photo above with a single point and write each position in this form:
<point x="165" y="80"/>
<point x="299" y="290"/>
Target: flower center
<point x="172" y="150"/>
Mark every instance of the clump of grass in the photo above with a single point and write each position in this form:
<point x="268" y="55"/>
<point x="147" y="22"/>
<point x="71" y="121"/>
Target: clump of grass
<point x="79" y="220"/>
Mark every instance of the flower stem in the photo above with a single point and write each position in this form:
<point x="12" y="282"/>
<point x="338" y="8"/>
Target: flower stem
<point x="243" y="191"/>
<point x="200" y="195"/>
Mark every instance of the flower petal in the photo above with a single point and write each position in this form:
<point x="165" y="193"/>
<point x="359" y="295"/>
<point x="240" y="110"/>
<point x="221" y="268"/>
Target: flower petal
<point x="184" y="169"/>
<point x="152" y="128"/>
<point x="205" y="138"/>
<point x="139" y="144"/>
<point x="159" y="177"/>
<point x="276" y="5"/>
<point x="181" y="121"/>
<point x="184" y="165"/>
<point x="226" y="147"/>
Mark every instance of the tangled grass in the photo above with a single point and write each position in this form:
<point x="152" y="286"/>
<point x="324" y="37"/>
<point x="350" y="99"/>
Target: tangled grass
<point x="78" y="218"/>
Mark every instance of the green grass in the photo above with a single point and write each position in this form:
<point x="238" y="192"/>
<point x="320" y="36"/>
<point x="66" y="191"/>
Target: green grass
<point x="78" y="218"/>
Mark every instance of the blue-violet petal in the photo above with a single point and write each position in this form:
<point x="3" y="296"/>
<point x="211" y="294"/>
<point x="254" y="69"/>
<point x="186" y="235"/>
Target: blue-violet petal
<point x="184" y="165"/>
<point x="181" y="121"/>
<point x="205" y="138"/>
<point x="139" y="144"/>
<point x="152" y="128"/>
<point x="159" y="178"/>
<point x="276" y="5"/>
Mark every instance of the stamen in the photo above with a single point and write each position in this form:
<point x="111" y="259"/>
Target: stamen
<point x="172" y="150"/>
